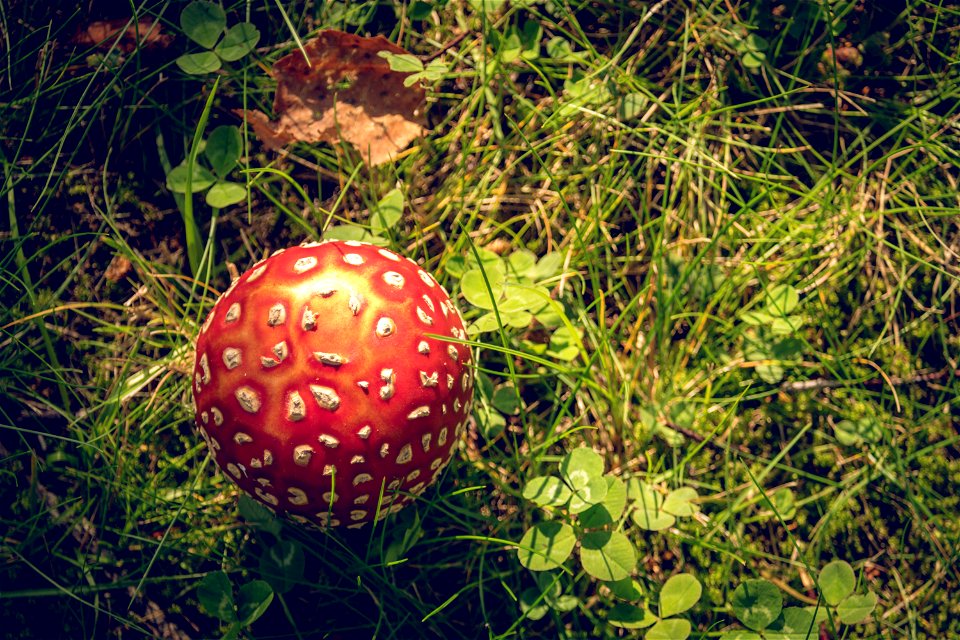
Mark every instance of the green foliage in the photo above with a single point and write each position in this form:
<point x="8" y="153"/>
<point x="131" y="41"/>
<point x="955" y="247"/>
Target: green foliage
<point x="205" y="23"/>
<point x="773" y="340"/>
<point x="432" y="72"/>
<point x="511" y="292"/>
<point x="221" y="150"/>
<point x="215" y="593"/>
<point x="758" y="605"/>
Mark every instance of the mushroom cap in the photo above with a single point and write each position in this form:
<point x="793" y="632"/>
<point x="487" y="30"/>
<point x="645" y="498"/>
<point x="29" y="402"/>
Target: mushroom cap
<point x="319" y="388"/>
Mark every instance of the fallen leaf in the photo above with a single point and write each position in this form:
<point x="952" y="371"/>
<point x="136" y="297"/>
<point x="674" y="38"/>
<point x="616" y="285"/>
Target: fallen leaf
<point x="119" y="266"/>
<point x="141" y="34"/>
<point x="347" y="92"/>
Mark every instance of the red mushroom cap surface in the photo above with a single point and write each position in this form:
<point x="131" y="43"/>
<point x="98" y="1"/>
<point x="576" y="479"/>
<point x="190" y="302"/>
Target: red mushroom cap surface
<point x="319" y="389"/>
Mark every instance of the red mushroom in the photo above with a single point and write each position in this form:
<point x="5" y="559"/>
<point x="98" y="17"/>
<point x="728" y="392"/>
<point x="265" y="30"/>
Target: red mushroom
<point x="319" y="389"/>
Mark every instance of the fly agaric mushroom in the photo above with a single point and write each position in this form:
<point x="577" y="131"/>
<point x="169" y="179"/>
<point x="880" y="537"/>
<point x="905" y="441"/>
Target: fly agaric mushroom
<point x="319" y="388"/>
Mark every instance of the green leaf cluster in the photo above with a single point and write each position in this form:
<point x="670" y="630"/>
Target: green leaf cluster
<point x="385" y="216"/>
<point x="773" y="338"/>
<point x="679" y="594"/>
<point x="433" y="71"/>
<point x="222" y="151"/>
<point x="758" y="606"/>
<point x="656" y="511"/>
<point x="206" y="24"/>
<point x="510" y="291"/>
<point x="598" y="500"/>
<point x="215" y="593"/>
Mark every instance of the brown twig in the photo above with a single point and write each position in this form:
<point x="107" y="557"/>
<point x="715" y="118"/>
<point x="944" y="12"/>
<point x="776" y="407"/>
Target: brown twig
<point x="825" y="383"/>
<point x="696" y="437"/>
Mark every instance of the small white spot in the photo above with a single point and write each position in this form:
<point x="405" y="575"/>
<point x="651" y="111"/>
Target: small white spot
<point x="302" y="454"/>
<point x="424" y="318"/>
<point x="248" y="399"/>
<point x="206" y="436"/>
<point x="296" y="407"/>
<point x="413" y="475"/>
<point x="406" y="454"/>
<point x="443" y="409"/>
<point x="243" y="469"/>
<point x="423" y="348"/>
<point x="326" y="397"/>
<point x="364" y="432"/>
<point x="353" y="258"/>
<point x="277" y="252"/>
<point x="355" y="302"/>
<point x="326" y="520"/>
<point x="205" y="417"/>
<point x="425" y="441"/>
<point x="256" y="273"/>
<point x="393" y="486"/>
<point x="442" y="438"/>
<point x="242" y="438"/>
<point x="325" y="290"/>
<point x="277" y="315"/>
<point x="353" y="243"/>
<point x="386" y="327"/>
<point x="358" y="514"/>
<point x="280" y="352"/>
<point x="393" y="279"/>
<point x="329" y="470"/>
<point x="233" y="312"/>
<point x="450" y="381"/>
<point x="332" y="359"/>
<point x="436" y="464"/>
<point x="265" y="482"/>
<point x="357" y="460"/>
<point x="361" y="499"/>
<point x="427" y="280"/>
<point x="443" y="307"/>
<point x="267" y="457"/>
<point x="360" y="478"/>
<point x="214" y="444"/>
<point x="231" y="357"/>
<point x="417" y="488"/>
<point x="329" y="497"/>
<point x="458" y="333"/>
<point x="428" y="380"/>
<point x="217" y="416"/>
<point x="233" y="470"/>
<point x="297" y="496"/>
<point x="328" y="440"/>
<point x="453" y="353"/>
<point x="419" y="412"/>
<point x="205" y="367"/>
<point x="384" y="450"/>
<point x="309" y="320"/>
<point x="255" y="463"/>
<point x="389" y="255"/>
<point x="304" y="264"/>
<point x="388" y="377"/>
<point x="363" y="384"/>
<point x="269" y="498"/>
<point x="465" y="381"/>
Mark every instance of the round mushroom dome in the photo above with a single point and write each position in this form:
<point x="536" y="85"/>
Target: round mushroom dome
<point x="325" y="384"/>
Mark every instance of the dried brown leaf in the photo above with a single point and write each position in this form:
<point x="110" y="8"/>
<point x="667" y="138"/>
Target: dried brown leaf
<point x="347" y="92"/>
<point x="141" y="34"/>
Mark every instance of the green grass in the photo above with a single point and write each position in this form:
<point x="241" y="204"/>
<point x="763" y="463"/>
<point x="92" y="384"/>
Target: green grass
<point x="689" y="179"/>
